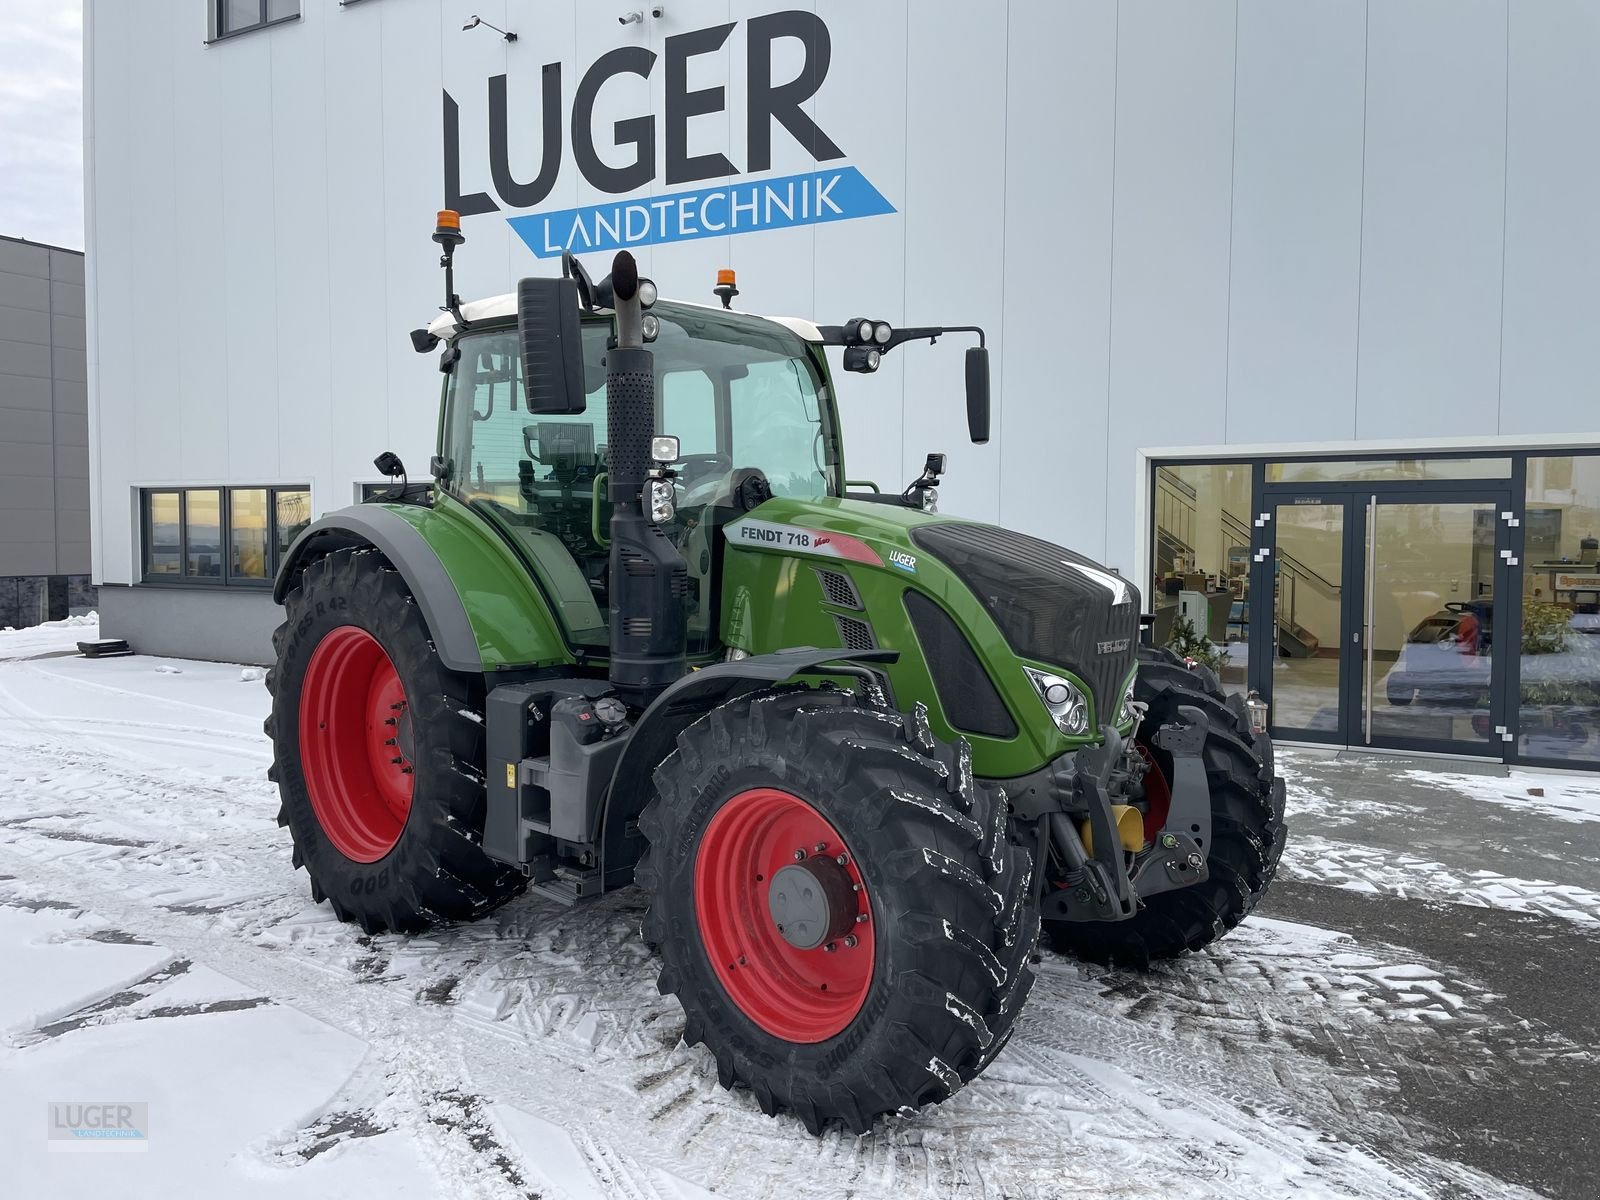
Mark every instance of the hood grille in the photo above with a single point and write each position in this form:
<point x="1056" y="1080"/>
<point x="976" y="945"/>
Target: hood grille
<point x="1052" y="604"/>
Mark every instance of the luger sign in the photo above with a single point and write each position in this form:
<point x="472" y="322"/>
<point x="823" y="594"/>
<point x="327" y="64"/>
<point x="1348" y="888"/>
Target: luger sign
<point x="734" y="205"/>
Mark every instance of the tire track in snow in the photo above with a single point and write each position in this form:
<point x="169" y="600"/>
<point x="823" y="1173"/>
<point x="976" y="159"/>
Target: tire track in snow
<point x="554" y="1012"/>
<point x="980" y="1131"/>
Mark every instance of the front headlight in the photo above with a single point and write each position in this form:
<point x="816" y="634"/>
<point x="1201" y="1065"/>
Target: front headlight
<point x="1069" y="709"/>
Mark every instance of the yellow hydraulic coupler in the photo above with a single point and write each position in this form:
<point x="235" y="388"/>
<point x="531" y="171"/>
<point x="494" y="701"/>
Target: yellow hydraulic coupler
<point x="1130" y="828"/>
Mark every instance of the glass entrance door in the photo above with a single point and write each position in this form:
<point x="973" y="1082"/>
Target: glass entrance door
<point x="1381" y="624"/>
<point x="1429" y="676"/>
<point x="1310" y="661"/>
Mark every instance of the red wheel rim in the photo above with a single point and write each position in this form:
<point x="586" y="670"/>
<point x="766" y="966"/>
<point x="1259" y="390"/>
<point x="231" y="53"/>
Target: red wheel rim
<point x="794" y="994"/>
<point x="1157" y="795"/>
<point x="356" y="744"/>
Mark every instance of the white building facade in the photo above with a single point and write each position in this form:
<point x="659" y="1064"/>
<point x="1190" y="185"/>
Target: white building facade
<point x="1213" y="244"/>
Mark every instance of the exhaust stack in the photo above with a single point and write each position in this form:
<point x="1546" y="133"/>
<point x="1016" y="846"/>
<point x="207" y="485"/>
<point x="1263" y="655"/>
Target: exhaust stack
<point x="649" y="580"/>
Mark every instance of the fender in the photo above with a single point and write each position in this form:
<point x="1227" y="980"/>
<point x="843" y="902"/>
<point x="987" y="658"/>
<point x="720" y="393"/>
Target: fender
<point x="408" y="551"/>
<point x="683" y="703"/>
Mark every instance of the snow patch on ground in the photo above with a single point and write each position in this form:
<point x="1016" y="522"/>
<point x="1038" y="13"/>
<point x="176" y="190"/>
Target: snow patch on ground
<point x="1383" y="872"/>
<point x="49" y="638"/>
<point x="1564" y="797"/>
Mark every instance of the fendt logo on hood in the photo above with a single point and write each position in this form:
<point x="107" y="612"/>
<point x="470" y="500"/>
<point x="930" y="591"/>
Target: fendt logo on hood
<point x="836" y="193"/>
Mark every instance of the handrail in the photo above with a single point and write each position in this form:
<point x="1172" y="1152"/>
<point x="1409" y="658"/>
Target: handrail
<point x="1165" y="475"/>
<point x="1186" y="494"/>
<point x="595" y="493"/>
<point x="1298" y="567"/>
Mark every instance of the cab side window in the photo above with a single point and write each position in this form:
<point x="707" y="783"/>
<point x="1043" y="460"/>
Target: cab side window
<point x="689" y="411"/>
<point x="777" y="425"/>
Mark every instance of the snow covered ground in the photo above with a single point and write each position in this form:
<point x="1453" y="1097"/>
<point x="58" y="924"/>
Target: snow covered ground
<point x="157" y="946"/>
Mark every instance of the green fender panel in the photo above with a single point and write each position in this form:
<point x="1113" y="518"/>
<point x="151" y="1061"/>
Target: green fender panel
<point x="484" y="610"/>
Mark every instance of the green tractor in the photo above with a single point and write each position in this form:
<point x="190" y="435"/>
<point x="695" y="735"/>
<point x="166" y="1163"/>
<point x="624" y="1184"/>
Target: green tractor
<point x="639" y="629"/>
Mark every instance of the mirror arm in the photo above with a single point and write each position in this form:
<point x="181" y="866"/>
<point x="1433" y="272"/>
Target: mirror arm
<point x="930" y="333"/>
<point x="833" y="335"/>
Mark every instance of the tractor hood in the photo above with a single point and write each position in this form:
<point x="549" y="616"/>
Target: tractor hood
<point x="1051" y="604"/>
<point x="847" y="572"/>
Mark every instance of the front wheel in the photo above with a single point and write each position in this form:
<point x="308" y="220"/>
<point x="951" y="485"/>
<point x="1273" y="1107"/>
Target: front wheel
<point x="1247" y="826"/>
<point x="839" y="907"/>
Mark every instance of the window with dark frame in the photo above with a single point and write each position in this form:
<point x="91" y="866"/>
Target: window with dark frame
<point x="231" y="536"/>
<point x="229" y="17"/>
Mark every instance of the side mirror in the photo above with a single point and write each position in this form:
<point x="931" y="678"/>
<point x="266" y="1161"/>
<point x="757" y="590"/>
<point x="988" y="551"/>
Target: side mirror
<point x="978" y="394"/>
<point x="552" y="346"/>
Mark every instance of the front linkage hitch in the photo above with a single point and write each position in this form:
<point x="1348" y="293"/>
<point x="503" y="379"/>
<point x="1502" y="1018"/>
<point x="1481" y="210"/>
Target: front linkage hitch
<point x="1100" y="886"/>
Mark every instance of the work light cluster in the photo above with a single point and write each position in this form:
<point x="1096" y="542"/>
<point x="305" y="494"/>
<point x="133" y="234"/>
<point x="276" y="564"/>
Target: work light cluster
<point x="864" y="340"/>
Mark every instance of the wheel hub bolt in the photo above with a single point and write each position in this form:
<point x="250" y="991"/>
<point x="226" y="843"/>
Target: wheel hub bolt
<point x="831" y="947"/>
<point x="842" y="860"/>
<point x="850" y="940"/>
<point x="861" y="918"/>
<point x="799" y="854"/>
<point x="1194" y="858"/>
<point x="821" y="846"/>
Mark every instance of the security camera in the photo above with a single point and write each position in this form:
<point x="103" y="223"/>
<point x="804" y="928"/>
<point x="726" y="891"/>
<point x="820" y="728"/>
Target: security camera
<point x="658" y="11"/>
<point x="630" y="18"/>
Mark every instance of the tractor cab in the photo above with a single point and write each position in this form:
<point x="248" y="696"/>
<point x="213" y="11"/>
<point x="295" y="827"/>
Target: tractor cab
<point x="746" y="397"/>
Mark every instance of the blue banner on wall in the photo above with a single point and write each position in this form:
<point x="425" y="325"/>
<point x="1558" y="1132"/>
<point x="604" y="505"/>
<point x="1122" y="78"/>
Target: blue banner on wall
<point x="837" y="195"/>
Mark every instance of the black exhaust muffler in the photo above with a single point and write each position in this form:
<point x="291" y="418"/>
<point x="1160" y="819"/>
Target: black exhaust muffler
<point x="649" y="579"/>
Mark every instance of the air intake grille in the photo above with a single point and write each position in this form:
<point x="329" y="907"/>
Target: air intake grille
<point x="966" y="693"/>
<point x="854" y="634"/>
<point x="1052" y="605"/>
<point x="839" y="590"/>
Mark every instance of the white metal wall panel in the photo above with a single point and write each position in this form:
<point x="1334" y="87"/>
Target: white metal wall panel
<point x="113" y="234"/>
<point x="411" y="74"/>
<point x="1169" y="264"/>
<point x="301" y="201"/>
<point x="1060" y="126"/>
<point x="686" y="263"/>
<point x="250" y="257"/>
<point x="955" y="240"/>
<point x="157" y="245"/>
<point x="860" y="265"/>
<point x="196" y="411"/>
<point x="361" y="341"/>
<point x="1552" y="303"/>
<point x="1433" y="219"/>
<point x="1296" y="258"/>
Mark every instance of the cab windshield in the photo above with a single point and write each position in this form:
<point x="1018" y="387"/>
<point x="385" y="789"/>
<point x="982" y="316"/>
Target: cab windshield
<point x="737" y="392"/>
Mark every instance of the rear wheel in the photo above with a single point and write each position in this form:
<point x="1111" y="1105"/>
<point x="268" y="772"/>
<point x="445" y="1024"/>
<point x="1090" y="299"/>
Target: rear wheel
<point x="377" y="753"/>
<point x="838" y="906"/>
<point x="1247" y="826"/>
